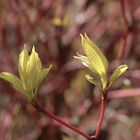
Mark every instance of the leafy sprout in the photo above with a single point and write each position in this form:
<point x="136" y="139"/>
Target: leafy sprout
<point x="95" y="60"/>
<point x="31" y="74"/>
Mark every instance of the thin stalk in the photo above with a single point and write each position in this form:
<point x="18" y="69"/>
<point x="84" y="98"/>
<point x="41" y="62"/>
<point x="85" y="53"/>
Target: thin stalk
<point x="100" y="118"/>
<point x="123" y="8"/>
<point x="59" y="120"/>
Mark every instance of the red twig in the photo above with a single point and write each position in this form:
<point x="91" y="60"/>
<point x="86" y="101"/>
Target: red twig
<point x="123" y="8"/>
<point x="100" y="118"/>
<point x="94" y="137"/>
<point x="52" y="116"/>
<point x="125" y="93"/>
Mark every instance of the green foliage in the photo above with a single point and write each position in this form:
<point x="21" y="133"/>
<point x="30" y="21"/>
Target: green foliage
<point x="31" y="74"/>
<point x="98" y="64"/>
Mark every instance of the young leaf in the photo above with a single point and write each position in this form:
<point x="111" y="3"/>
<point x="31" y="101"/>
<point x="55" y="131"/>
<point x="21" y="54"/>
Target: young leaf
<point x="94" y="54"/>
<point x="117" y="73"/>
<point x="84" y="61"/>
<point x="34" y="66"/>
<point x="98" y="61"/>
<point x="13" y="80"/>
<point x="22" y="65"/>
<point x="91" y="79"/>
<point x="31" y="74"/>
<point x="43" y="74"/>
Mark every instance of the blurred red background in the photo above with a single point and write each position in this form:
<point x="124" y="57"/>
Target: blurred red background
<point x="53" y="26"/>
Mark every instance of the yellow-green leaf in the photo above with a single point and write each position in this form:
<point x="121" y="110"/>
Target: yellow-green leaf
<point x="91" y="79"/>
<point x="117" y="73"/>
<point x="33" y="69"/>
<point x="22" y="65"/>
<point x="43" y="74"/>
<point x="31" y="74"/>
<point x="94" y="55"/>
<point x="84" y="61"/>
<point x="13" y="80"/>
<point x="96" y="58"/>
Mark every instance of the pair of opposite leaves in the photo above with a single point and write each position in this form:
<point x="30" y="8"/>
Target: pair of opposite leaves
<point x="32" y="74"/>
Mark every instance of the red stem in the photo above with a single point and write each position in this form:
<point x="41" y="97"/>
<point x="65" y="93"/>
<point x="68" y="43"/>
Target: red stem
<point x="123" y="8"/>
<point x="100" y="118"/>
<point x="52" y="116"/>
<point x="124" y="93"/>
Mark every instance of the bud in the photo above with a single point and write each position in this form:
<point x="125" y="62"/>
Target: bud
<point x="31" y="74"/>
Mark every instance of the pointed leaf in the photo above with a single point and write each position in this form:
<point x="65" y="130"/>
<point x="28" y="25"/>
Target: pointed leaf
<point x="33" y="69"/>
<point x="117" y="73"/>
<point x="23" y="59"/>
<point x="91" y="79"/>
<point x="96" y="58"/>
<point x="84" y="61"/>
<point x="22" y="65"/>
<point x="13" y="80"/>
<point x="43" y="75"/>
<point x="94" y="55"/>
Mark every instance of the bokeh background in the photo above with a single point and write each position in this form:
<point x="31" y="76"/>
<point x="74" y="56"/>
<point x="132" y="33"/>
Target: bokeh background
<point x="54" y="27"/>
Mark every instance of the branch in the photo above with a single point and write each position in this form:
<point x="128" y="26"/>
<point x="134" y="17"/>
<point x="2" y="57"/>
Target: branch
<point x="124" y="93"/>
<point x="100" y="118"/>
<point x="123" y="8"/>
<point x="52" y="116"/>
